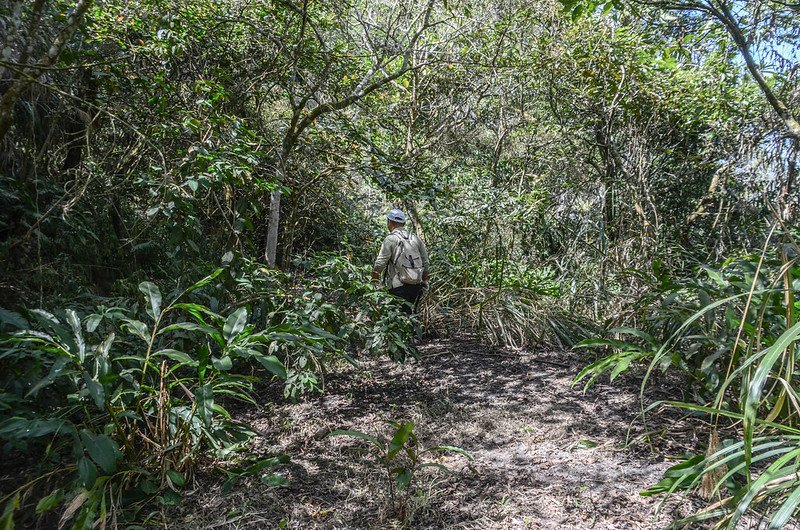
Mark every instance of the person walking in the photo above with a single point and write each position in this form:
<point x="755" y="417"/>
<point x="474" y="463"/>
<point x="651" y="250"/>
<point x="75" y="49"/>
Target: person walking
<point x="404" y="258"/>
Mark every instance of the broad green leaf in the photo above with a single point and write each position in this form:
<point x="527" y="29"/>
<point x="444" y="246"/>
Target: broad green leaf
<point x="46" y="504"/>
<point x="96" y="390"/>
<point x="400" y="438"/>
<point x="621" y="366"/>
<point x="227" y="486"/>
<point x="152" y="297"/>
<point x="45" y="316"/>
<point x="197" y="311"/>
<point x="202" y="364"/>
<point x="273" y="364"/>
<point x="205" y="403"/>
<point x="148" y="487"/>
<point x="176" y="478"/>
<point x="234" y="324"/>
<point x="205" y="281"/>
<point x="24" y="428"/>
<point x="318" y="332"/>
<point x="170" y="498"/>
<point x="265" y="463"/>
<point x="92" y="321"/>
<point x="175" y="355"/>
<point x="189" y="326"/>
<point x="102" y="449"/>
<point x="681" y="474"/>
<point x="75" y="324"/>
<point x="137" y="328"/>
<point x="403" y="478"/>
<point x="87" y="472"/>
<point x="223" y="364"/>
<point x="14" y="319"/>
<point x="55" y="372"/>
<point x="105" y="346"/>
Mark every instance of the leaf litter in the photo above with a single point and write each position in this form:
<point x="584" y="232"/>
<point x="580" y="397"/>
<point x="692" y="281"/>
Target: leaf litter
<point x="546" y="454"/>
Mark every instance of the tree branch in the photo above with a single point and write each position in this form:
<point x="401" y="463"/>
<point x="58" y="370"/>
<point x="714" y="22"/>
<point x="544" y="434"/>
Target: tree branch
<point x="28" y="75"/>
<point x="731" y="24"/>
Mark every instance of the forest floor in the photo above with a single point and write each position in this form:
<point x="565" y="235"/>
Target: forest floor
<point x="545" y="454"/>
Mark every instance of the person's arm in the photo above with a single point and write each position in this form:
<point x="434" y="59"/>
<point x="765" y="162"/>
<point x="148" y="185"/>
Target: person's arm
<point x="382" y="260"/>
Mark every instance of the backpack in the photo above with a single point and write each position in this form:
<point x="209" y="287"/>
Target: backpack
<point x="408" y="259"/>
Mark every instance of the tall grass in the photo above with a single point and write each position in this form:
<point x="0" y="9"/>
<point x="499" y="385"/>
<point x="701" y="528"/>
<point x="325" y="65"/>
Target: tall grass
<point x="734" y="332"/>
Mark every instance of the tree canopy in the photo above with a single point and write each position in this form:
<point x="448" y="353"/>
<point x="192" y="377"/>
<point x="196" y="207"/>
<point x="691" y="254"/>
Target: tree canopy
<point x="199" y="188"/>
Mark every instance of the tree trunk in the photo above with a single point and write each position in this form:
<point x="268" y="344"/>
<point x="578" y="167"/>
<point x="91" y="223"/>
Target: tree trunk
<point x="31" y="74"/>
<point x="271" y="252"/>
<point x="779" y="106"/>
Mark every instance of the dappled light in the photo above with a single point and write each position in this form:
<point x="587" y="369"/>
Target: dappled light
<point x="399" y="264"/>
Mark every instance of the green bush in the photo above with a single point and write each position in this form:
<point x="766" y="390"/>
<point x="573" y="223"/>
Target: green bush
<point x="124" y="401"/>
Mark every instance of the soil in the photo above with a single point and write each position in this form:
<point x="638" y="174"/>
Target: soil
<point x="545" y="454"/>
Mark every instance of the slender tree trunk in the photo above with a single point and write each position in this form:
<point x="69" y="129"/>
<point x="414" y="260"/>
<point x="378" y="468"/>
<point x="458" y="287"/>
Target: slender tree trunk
<point x="30" y="74"/>
<point x="275" y="209"/>
<point x="779" y="106"/>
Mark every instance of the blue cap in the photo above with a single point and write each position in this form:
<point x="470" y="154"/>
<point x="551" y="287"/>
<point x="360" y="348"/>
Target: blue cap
<point x="396" y="216"/>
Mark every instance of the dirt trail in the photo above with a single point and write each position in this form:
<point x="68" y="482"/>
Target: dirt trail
<point x="546" y="455"/>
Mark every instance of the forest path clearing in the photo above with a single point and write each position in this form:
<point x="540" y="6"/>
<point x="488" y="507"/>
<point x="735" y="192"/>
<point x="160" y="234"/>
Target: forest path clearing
<point x="546" y="455"/>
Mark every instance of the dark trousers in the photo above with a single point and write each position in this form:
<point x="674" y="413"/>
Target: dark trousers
<point x="410" y="294"/>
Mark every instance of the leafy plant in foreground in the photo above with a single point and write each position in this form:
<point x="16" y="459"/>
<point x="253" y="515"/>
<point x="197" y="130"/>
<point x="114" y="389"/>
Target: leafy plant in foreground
<point x="705" y="325"/>
<point x="402" y="457"/>
<point x="740" y="344"/>
<point x="340" y="297"/>
<point x="761" y="471"/>
<point x="123" y="409"/>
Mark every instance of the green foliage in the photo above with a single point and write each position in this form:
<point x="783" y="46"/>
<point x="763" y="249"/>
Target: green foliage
<point x="568" y="164"/>
<point x="119" y="391"/>
<point x="705" y="325"/>
<point x="330" y="309"/>
<point x="131" y="403"/>
<point x="735" y="332"/>
<point x="773" y="491"/>
<point x="134" y="397"/>
<point x="402" y="457"/>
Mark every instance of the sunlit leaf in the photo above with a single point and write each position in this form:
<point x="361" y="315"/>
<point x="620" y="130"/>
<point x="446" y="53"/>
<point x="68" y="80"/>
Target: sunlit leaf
<point x="152" y="297"/>
<point x="234" y="324"/>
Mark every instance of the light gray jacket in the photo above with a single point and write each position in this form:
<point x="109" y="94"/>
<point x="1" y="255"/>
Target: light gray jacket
<point x="385" y="259"/>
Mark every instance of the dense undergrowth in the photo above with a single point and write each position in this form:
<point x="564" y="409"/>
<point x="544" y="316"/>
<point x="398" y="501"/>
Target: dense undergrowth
<point x="734" y="331"/>
<point x="119" y="403"/>
<point x="191" y="194"/>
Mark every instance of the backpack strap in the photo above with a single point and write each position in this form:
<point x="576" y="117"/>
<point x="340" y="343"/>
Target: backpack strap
<point x="400" y="239"/>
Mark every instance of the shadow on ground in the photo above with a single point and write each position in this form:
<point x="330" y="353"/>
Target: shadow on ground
<point x="546" y="455"/>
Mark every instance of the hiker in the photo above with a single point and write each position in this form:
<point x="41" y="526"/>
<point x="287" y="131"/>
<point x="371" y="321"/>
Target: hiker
<point x="405" y="259"/>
